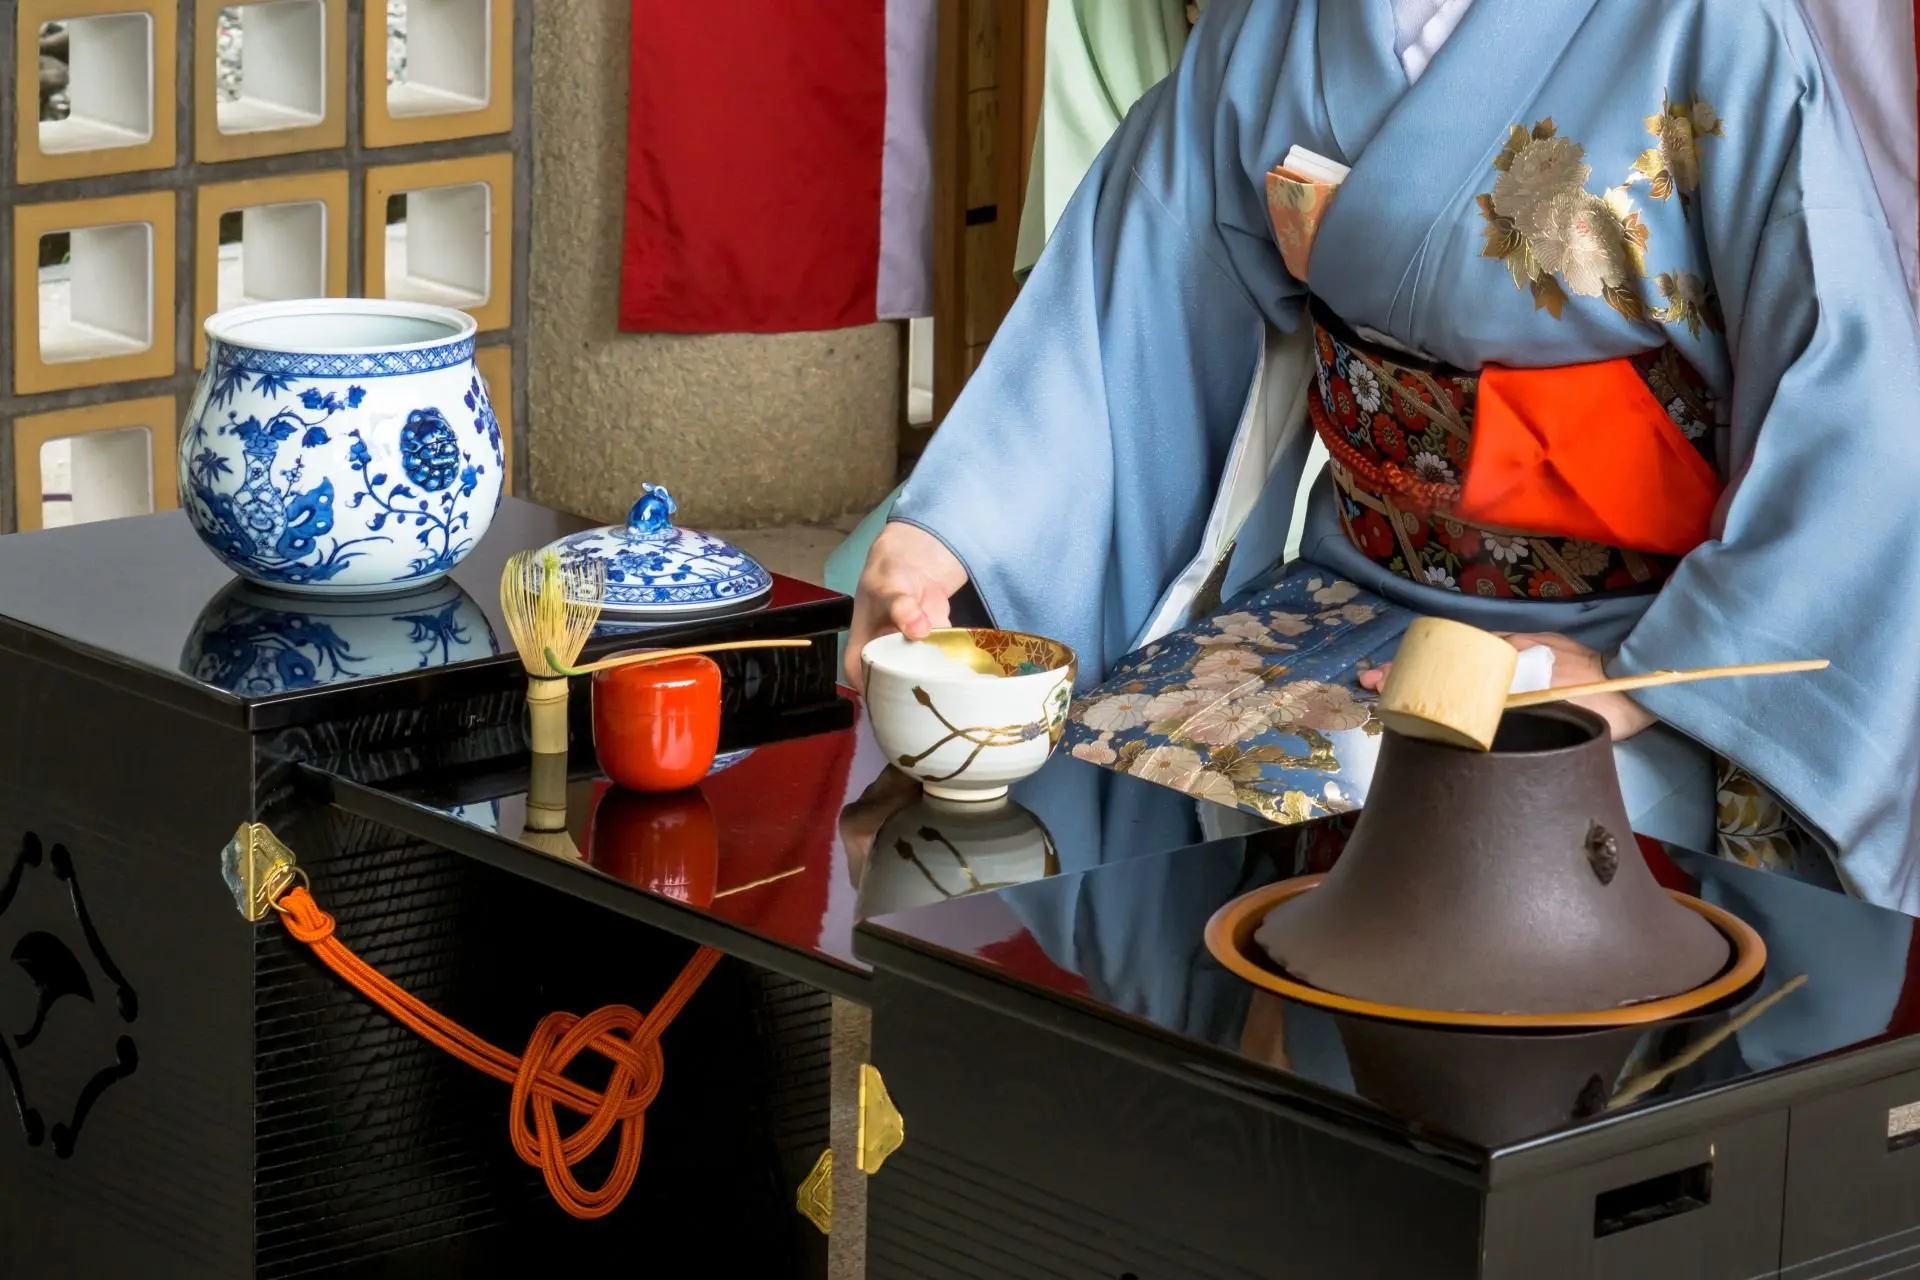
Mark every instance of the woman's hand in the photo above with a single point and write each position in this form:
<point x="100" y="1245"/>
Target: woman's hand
<point x="1573" y="664"/>
<point x="909" y="578"/>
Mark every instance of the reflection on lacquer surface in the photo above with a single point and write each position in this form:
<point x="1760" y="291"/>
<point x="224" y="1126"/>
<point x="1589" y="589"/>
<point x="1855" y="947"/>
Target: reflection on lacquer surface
<point x="255" y="643"/>
<point x="1127" y="939"/>
<point x="668" y="844"/>
<point x="787" y="840"/>
<point x="485" y="815"/>
<point x="907" y="849"/>
<point x="755" y="844"/>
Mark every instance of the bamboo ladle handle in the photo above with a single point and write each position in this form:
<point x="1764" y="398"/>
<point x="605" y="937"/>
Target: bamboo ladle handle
<point x="1451" y="683"/>
<point x="1654" y="679"/>
<point x="1651" y="1080"/>
<point x="661" y="655"/>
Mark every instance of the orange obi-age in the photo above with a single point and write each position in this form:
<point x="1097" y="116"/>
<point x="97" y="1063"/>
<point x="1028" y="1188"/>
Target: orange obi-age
<point x="1530" y="483"/>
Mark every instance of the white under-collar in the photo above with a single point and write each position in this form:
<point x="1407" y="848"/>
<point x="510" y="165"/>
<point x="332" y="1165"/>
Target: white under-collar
<point x="1420" y="27"/>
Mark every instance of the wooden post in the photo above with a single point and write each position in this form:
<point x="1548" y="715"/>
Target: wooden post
<point x="1013" y="142"/>
<point x="949" y="206"/>
<point x="1033" y="88"/>
<point x="990" y="69"/>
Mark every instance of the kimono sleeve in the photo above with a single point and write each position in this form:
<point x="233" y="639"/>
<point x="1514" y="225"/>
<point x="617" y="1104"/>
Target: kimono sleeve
<point x="1817" y="556"/>
<point x="1075" y="472"/>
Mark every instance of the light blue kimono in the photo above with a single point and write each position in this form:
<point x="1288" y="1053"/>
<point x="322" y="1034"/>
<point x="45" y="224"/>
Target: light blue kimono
<point x="1075" y="474"/>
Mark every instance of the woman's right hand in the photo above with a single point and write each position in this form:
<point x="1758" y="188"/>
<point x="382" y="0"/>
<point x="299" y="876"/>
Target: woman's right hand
<point x="909" y="578"/>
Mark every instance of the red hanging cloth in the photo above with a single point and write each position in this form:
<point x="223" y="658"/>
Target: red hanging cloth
<point x="779" y="165"/>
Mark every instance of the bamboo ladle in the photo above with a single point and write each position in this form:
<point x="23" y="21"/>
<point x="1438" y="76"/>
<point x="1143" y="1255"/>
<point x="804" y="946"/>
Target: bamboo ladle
<point x="1450" y="683"/>
<point x="661" y="655"/>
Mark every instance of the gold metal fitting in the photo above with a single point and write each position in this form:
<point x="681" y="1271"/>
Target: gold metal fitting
<point x="882" y="1128"/>
<point x="815" y="1200"/>
<point x="259" y="870"/>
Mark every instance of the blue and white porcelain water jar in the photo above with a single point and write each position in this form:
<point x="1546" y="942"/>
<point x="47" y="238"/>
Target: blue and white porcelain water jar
<point x="341" y="446"/>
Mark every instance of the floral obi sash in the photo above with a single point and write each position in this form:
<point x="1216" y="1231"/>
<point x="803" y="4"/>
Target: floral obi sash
<point x="1541" y="484"/>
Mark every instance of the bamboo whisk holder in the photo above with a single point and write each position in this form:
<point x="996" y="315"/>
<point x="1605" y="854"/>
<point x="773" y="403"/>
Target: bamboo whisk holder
<point x="547" y="711"/>
<point x="1449" y="683"/>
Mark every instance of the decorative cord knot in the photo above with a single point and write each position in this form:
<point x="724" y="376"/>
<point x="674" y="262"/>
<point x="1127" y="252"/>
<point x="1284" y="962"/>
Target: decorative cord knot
<point x="625" y="1037"/>
<point x="1382" y="476"/>
<point x="305" y="920"/>
<point x="620" y="1035"/>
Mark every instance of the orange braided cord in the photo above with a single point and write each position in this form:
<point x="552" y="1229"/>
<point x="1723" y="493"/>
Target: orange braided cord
<point x="622" y="1035"/>
<point x="1381" y="477"/>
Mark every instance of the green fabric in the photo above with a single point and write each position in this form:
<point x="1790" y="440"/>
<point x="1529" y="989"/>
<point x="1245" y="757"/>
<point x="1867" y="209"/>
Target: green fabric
<point x="1101" y="57"/>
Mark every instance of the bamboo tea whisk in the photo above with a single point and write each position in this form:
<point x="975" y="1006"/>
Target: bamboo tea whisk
<point x="551" y="608"/>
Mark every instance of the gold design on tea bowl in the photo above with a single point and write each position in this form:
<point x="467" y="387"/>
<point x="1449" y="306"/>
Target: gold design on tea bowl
<point x="985" y="713"/>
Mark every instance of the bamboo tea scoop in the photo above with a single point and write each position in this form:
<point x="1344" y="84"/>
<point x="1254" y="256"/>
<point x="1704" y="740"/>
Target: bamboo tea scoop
<point x="661" y="655"/>
<point x="1450" y="683"/>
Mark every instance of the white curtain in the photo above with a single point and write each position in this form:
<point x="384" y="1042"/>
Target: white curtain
<point x="1869" y="45"/>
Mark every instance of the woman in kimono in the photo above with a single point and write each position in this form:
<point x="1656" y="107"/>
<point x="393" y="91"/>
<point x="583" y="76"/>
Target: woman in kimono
<point x="1605" y="332"/>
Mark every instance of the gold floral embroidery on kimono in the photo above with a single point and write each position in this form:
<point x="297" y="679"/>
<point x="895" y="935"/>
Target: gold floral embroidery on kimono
<point x="1691" y="303"/>
<point x="1756" y="830"/>
<point x="1672" y="166"/>
<point x="1554" y="235"/>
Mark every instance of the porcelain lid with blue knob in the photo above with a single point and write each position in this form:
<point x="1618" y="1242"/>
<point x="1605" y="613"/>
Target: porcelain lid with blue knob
<point x="656" y="570"/>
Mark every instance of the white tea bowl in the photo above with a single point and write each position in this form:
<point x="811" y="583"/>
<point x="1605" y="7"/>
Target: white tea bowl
<point x="968" y="712"/>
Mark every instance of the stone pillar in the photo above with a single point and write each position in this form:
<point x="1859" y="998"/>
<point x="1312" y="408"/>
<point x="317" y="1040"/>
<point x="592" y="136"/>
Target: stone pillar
<point x="852" y="1046"/>
<point x="745" y="429"/>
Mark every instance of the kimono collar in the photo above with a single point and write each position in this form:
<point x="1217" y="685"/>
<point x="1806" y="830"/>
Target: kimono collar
<point x="1418" y="150"/>
<point x="1360" y="74"/>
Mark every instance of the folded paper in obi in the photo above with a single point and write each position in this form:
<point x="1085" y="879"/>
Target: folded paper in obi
<point x="1299" y="192"/>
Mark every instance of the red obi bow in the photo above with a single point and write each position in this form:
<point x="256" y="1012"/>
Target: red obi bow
<point x="1585" y="451"/>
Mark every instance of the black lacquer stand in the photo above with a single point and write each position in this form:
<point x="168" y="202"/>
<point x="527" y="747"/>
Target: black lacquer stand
<point x="183" y="1094"/>
<point x="1086" y="1094"/>
<point x="1089" y="1095"/>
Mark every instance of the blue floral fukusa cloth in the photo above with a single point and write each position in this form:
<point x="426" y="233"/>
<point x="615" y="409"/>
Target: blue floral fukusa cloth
<point x="1258" y="707"/>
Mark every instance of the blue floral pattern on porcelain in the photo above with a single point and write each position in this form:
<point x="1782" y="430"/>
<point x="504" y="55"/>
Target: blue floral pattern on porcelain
<point x="484" y="814"/>
<point x="257" y="644"/>
<point x="727" y="759"/>
<point x="341" y="473"/>
<point x="655" y="569"/>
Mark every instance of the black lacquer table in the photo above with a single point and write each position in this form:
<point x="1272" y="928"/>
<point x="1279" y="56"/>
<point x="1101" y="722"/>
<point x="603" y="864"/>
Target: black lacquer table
<point x="794" y="866"/>
<point x="1087" y="1093"/>
<point x="189" y="1095"/>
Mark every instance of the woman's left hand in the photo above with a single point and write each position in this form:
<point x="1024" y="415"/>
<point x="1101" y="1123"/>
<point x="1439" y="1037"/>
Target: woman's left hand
<point x="1573" y="664"/>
